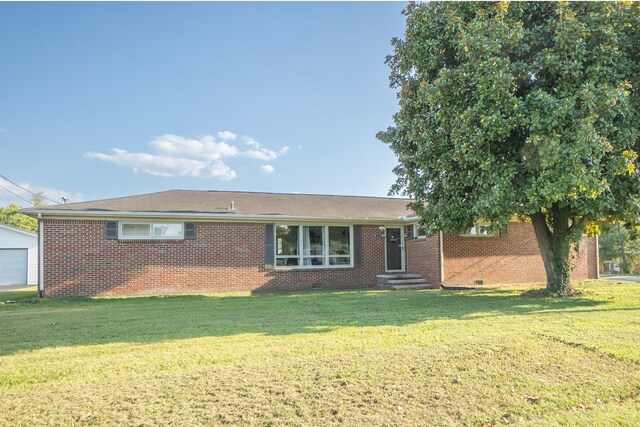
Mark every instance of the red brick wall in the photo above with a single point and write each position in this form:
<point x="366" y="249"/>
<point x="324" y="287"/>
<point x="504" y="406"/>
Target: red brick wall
<point x="78" y="260"/>
<point x="511" y="258"/>
<point x="423" y="257"/>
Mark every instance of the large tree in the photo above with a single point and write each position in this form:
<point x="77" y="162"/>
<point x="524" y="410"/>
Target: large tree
<point x="527" y="109"/>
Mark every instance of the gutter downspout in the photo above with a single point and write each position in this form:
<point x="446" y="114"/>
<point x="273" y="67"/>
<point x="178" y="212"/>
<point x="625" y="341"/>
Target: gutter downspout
<point x="441" y="260"/>
<point x="40" y="256"/>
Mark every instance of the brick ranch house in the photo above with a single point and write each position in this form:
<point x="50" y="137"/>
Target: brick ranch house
<point x="216" y="241"/>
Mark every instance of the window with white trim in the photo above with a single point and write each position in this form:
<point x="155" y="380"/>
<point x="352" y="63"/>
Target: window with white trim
<point x="419" y="231"/>
<point x="480" y="229"/>
<point x="313" y="246"/>
<point x="151" y="230"/>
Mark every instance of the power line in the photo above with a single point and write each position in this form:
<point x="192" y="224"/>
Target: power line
<point x="19" y="197"/>
<point x="28" y="191"/>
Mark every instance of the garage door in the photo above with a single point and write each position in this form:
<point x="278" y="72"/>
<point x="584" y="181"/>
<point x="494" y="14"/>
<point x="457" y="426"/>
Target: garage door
<point x="13" y="266"/>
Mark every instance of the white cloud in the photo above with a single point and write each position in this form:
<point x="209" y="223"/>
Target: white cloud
<point x="53" y="194"/>
<point x="250" y="141"/>
<point x="267" y="169"/>
<point x="259" y="152"/>
<point x="227" y="135"/>
<point x="175" y="155"/>
<point x="167" y="166"/>
<point x="205" y="148"/>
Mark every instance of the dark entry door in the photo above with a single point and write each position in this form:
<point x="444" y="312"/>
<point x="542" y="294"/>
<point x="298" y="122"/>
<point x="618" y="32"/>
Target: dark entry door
<point x="394" y="249"/>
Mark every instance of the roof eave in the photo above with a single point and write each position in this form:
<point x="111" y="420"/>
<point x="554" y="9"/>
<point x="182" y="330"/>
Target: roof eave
<point x="17" y="230"/>
<point x="57" y="213"/>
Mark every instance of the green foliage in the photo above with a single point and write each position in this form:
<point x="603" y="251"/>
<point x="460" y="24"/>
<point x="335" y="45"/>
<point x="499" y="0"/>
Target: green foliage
<point x="611" y="242"/>
<point x="11" y="217"/>
<point x="518" y="109"/>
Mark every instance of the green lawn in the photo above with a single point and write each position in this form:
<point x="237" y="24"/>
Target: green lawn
<point x="479" y="357"/>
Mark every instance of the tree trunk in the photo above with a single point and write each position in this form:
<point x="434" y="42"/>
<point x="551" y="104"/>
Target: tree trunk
<point x="555" y="248"/>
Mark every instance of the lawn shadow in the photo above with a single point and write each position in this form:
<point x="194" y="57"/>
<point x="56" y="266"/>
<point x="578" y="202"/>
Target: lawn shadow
<point x="83" y="321"/>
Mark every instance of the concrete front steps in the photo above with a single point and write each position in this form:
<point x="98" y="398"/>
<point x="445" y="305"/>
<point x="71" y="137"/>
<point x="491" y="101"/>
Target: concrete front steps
<point x="403" y="281"/>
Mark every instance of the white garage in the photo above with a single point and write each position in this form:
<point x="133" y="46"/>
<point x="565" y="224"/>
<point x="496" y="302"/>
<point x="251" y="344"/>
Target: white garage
<point x="18" y="257"/>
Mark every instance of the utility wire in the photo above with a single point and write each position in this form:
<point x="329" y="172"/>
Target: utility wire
<point x="19" y="197"/>
<point x="28" y="191"/>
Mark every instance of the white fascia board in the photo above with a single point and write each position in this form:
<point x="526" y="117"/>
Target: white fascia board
<point x="221" y="217"/>
<point x="17" y="230"/>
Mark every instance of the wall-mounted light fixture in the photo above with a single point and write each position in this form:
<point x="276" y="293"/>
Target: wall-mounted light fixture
<point x="383" y="230"/>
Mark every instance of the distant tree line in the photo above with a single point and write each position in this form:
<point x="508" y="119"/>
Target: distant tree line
<point x="620" y="245"/>
<point x="11" y="216"/>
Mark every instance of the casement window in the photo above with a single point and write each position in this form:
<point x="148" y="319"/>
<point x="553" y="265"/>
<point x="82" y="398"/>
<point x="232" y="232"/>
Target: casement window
<point x="480" y="229"/>
<point x="419" y="231"/>
<point x="151" y="230"/>
<point x="313" y="246"/>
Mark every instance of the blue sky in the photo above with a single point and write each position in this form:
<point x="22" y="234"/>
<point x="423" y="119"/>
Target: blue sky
<point x="105" y="100"/>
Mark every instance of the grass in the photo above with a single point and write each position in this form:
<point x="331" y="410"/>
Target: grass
<point x="479" y="357"/>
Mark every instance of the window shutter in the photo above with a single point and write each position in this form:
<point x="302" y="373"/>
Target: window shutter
<point x="357" y="245"/>
<point x="503" y="231"/>
<point x="189" y="231"/>
<point x="269" y="243"/>
<point x="112" y="230"/>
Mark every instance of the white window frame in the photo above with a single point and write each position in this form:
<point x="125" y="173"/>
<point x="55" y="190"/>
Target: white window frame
<point x="416" y="232"/>
<point x="325" y="250"/>
<point x="150" y="224"/>
<point x="477" y="226"/>
<point x="325" y="247"/>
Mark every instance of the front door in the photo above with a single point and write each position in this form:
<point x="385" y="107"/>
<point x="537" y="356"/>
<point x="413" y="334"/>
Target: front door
<point x="394" y="249"/>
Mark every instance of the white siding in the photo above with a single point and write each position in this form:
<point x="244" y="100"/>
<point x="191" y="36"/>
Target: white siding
<point x="14" y="239"/>
<point x="32" y="273"/>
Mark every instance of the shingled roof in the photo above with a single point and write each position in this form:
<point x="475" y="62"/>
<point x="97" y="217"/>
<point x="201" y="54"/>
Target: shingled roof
<point x="245" y="204"/>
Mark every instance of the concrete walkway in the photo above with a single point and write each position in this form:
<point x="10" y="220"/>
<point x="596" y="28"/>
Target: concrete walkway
<point x="622" y="278"/>
<point x="5" y="288"/>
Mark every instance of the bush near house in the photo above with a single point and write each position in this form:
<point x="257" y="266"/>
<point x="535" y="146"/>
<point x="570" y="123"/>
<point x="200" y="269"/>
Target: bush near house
<point x="481" y="357"/>
<point x="11" y="216"/>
